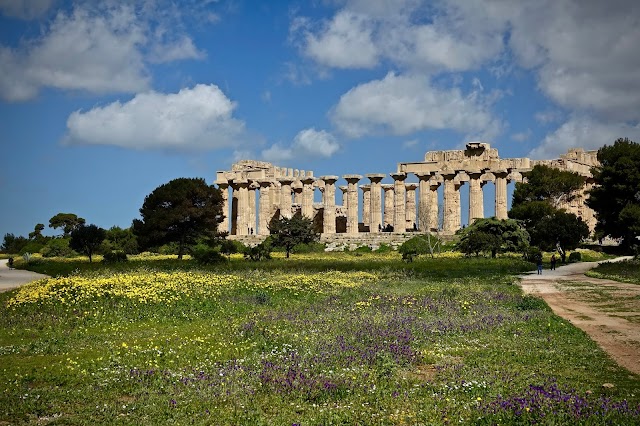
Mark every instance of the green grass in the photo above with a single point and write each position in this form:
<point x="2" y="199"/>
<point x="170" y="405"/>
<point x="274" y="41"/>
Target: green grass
<point x="627" y="271"/>
<point x="436" y="341"/>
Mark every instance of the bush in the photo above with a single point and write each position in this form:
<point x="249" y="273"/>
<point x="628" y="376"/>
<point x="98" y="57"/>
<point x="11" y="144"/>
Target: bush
<point x="384" y="248"/>
<point x="58" y="247"/>
<point x="312" y="247"/>
<point x="115" y="256"/>
<point x="205" y="255"/>
<point x="260" y="252"/>
<point x="413" y="247"/>
<point x="363" y="249"/>
<point x="32" y="247"/>
<point x="532" y="254"/>
<point x="575" y="256"/>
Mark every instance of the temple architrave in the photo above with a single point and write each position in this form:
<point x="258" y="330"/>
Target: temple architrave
<point x="256" y="192"/>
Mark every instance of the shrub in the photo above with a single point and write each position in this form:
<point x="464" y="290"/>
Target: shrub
<point x="384" y="248"/>
<point x="58" y="247"/>
<point x="115" y="256"/>
<point x="259" y="252"/>
<point x="32" y="247"/>
<point x="413" y="247"/>
<point x="575" y="256"/>
<point x="312" y="247"/>
<point x="532" y="254"/>
<point x="205" y="255"/>
<point x="363" y="249"/>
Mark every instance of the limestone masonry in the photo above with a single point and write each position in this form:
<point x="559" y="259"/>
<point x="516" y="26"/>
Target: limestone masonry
<point x="261" y="192"/>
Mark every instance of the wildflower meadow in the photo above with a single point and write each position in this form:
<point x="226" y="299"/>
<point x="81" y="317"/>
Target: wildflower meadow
<point x="313" y="340"/>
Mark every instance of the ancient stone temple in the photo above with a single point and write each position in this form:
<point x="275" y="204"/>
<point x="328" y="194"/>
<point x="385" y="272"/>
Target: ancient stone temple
<point x="256" y="192"/>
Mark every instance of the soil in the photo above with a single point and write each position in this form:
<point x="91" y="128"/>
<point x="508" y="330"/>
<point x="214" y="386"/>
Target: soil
<point x="608" y="311"/>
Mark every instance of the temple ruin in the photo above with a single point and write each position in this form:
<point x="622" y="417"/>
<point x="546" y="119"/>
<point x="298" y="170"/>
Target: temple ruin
<point x="256" y="192"/>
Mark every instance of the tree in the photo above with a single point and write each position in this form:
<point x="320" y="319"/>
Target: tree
<point x="180" y="211"/>
<point x="13" y="244"/>
<point x="118" y="239"/>
<point x="536" y="204"/>
<point x="86" y="239"/>
<point x="494" y="236"/>
<point x="289" y="232"/>
<point x="67" y="221"/>
<point x="545" y="183"/>
<point x="616" y="196"/>
<point x="36" y="235"/>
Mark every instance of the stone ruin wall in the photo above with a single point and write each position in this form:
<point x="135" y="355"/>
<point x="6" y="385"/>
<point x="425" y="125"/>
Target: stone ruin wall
<point x="261" y="192"/>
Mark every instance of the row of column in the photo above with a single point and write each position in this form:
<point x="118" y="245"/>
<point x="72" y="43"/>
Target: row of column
<point x="399" y="209"/>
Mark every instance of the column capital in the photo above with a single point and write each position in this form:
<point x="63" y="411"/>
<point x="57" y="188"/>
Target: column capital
<point x="285" y="180"/>
<point x="240" y="183"/>
<point x="365" y="187"/>
<point x="222" y="184"/>
<point x="375" y="177"/>
<point x="400" y="176"/>
<point x="307" y="180"/>
<point x="387" y="186"/>
<point x="411" y="186"/>
<point x="330" y="179"/>
<point x="352" y="178"/>
<point x="264" y="183"/>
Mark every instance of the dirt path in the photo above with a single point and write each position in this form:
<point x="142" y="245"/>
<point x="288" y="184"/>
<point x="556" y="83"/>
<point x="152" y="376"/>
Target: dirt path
<point x="608" y="311"/>
<point x="12" y="278"/>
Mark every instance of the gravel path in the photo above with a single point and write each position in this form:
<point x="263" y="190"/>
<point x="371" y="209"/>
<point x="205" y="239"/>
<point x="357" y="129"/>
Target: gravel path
<point x="12" y="278"/>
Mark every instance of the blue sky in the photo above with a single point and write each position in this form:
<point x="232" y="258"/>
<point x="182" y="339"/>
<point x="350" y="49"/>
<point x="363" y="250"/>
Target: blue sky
<point x="101" y="102"/>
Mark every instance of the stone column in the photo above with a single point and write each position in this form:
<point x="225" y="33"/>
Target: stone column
<point x="329" y="201"/>
<point x="224" y="190"/>
<point x="501" y="194"/>
<point x="252" y="211"/>
<point x="410" y="216"/>
<point x="307" y="197"/>
<point x="388" y="204"/>
<point x="433" y="224"/>
<point x="476" y="200"/>
<point x="451" y="203"/>
<point x="423" y="202"/>
<point x="297" y="192"/>
<point x="241" y="187"/>
<point x="352" y="202"/>
<point x="366" y="204"/>
<point x="376" y="202"/>
<point x="285" y="196"/>
<point x="399" y="211"/>
<point x="265" y="207"/>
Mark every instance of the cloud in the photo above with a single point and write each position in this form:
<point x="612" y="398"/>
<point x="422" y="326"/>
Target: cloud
<point x="199" y="118"/>
<point x="402" y="105"/>
<point x="98" y="50"/>
<point x="585" y="132"/>
<point x="308" y="143"/>
<point x="548" y="116"/>
<point x="521" y="136"/>
<point x="25" y="9"/>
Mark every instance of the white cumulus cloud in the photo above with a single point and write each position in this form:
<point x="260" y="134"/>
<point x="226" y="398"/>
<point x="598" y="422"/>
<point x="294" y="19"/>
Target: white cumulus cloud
<point x="308" y="143"/>
<point x="584" y="132"/>
<point x="199" y="118"/>
<point x="25" y="9"/>
<point x="402" y="105"/>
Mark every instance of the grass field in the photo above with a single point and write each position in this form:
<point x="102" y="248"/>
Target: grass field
<point x="315" y="339"/>
<point x="627" y="271"/>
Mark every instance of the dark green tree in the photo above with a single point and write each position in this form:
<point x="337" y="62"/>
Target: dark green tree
<point x="119" y="239"/>
<point x="86" y="239"/>
<point x="67" y="221"/>
<point x="36" y="235"/>
<point x="181" y="211"/>
<point x="493" y="236"/>
<point x="616" y="196"/>
<point x="546" y="183"/>
<point x="289" y="232"/>
<point x="535" y="204"/>
<point x="12" y="244"/>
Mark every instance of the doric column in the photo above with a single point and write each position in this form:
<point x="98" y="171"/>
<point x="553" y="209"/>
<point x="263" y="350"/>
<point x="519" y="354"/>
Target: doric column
<point x="297" y="192"/>
<point x="366" y="204"/>
<point x="376" y="202"/>
<point x="501" y="194"/>
<point x="451" y="203"/>
<point x="433" y="222"/>
<point x="410" y="216"/>
<point x="423" y="202"/>
<point x="252" y="211"/>
<point x="265" y="207"/>
<point x="399" y="211"/>
<point x="241" y="199"/>
<point x="224" y="191"/>
<point x="307" y="197"/>
<point x="476" y="200"/>
<point x="285" y="196"/>
<point x="352" y="202"/>
<point x="329" y="202"/>
<point x="388" y="204"/>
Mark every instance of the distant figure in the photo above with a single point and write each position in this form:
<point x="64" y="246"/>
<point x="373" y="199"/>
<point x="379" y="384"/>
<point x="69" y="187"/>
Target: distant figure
<point x="11" y="263"/>
<point x="563" y="255"/>
<point x="251" y="231"/>
<point x="553" y="262"/>
<point x="379" y="227"/>
<point x="539" y="262"/>
<point x="415" y="228"/>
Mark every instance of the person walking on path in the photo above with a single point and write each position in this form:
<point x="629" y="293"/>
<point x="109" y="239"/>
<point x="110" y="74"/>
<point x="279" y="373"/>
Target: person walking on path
<point x="539" y="263"/>
<point x="553" y="262"/>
